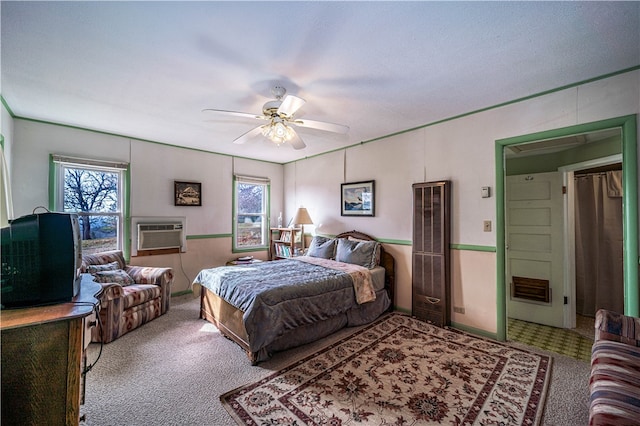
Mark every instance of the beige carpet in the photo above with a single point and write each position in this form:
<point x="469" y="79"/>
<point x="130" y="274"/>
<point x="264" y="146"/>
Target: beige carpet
<point x="173" y="370"/>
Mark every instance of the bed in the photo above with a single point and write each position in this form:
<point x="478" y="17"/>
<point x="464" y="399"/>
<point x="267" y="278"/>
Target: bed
<point x="268" y="307"/>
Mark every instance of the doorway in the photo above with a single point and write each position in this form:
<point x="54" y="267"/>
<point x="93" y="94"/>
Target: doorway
<point x="627" y="127"/>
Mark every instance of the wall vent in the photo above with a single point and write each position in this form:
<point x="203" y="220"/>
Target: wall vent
<point x="155" y="236"/>
<point x="531" y="289"/>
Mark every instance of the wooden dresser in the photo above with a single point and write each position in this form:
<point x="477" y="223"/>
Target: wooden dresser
<point x="43" y="357"/>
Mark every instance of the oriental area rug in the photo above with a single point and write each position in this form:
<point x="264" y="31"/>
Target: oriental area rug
<point x="400" y="371"/>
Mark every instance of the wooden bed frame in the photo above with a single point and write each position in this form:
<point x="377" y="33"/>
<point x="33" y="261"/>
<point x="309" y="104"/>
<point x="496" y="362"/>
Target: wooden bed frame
<point x="228" y="319"/>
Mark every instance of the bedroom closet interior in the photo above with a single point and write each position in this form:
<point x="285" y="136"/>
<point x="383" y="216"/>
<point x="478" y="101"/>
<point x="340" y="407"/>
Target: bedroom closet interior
<point x="599" y="240"/>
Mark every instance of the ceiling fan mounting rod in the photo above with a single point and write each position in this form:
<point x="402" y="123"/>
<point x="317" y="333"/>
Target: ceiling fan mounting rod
<point x="278" y="92"/>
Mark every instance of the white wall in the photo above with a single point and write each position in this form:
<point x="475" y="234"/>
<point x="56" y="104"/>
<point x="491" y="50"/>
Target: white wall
<point x="154" y="167"/>
<point x="461" y="150"/>
<point x="152" y="194"/>
<point x="34" y="142"/>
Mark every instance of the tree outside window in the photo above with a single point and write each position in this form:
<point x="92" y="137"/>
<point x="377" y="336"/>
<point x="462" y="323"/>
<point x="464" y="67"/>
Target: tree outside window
<point x="94" y="193"/>
<point x="251" y="214"/>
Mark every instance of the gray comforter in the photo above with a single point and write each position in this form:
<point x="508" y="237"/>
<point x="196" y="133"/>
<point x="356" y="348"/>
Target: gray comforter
<point x="284" y="294"/>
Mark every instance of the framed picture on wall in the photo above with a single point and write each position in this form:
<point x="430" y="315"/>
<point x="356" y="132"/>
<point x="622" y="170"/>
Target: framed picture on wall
<point x="187" y="193"/>
<point x="358" y="198"/>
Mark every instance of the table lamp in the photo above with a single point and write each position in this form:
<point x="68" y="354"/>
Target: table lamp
<point x="302" y="218"/>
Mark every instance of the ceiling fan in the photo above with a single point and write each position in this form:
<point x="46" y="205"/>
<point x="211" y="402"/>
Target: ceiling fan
<point x="279" y="115"/>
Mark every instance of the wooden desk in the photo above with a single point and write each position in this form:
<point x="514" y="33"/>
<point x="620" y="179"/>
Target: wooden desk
<point x="42" y="359"/>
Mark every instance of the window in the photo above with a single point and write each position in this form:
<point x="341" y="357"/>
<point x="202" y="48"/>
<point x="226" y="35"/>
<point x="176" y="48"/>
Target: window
<point x="94" y="191"/>
<point x="250" y="213"/>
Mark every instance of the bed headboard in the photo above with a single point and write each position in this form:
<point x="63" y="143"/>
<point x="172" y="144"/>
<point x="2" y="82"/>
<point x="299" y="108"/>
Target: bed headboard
<point x="386" y="261"/>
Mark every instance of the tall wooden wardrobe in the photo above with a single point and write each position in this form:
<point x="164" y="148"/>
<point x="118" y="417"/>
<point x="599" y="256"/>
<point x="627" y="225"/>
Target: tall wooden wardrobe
<point x="431" y="286"/>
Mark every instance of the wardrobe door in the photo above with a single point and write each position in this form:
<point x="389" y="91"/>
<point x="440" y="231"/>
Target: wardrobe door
<point x="430" y="253"/>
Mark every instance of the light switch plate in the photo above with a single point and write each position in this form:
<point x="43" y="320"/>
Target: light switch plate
<point x="486" y="192"/>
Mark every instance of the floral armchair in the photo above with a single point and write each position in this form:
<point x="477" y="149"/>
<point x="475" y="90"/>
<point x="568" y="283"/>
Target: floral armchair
<point x="131" y="295"/>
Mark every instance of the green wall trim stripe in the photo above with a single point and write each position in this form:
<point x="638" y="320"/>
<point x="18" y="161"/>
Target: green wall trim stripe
<point x="382" y="240"/>
<point x="6" y="105"/>
<point x="501" y="299"/>
<point x="250" y="250"/>
<point x="630" y="212"/>
<point x="395" y="242"/>
<point x="52" y="184"/>
<point x="472" y="330"/>
<point x="465" y="247"/>
<point x="469" y="247"/>
<point x="181" y="293"/>
<point x="458" y="326"/>
<point x="126" y="212"/>
<point x="208" y="236"/>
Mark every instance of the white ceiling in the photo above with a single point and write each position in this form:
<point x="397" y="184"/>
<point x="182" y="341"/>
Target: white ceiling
<point x="147" y="69"/>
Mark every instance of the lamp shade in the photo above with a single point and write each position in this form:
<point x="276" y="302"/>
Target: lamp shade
<point x="302" y="217"/>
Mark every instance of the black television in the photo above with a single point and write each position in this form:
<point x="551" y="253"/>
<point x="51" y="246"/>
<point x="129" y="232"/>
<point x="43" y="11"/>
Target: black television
<point x="41" y="260"/>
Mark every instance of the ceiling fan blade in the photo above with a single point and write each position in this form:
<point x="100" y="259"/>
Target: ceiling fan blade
<point x="296" y="142"/>
<point x="250" y="134"/>
<point x="321" y="125"/>
<point x="236" y="113"/>
<point x="290" y="104"/>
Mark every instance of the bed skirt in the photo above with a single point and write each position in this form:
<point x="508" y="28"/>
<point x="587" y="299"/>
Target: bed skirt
<point x="228" y="319"/>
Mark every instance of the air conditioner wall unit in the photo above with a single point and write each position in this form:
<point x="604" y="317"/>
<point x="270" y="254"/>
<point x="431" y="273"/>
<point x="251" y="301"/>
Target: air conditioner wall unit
<point x="155" y="236"/>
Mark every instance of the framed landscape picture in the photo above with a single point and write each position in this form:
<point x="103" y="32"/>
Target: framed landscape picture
<point x="188" y="193"/>
<point x="358" y="198"/>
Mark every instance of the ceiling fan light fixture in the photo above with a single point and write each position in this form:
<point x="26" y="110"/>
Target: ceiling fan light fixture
<point x="278" y="132"/>
<point x="278" y="114"/>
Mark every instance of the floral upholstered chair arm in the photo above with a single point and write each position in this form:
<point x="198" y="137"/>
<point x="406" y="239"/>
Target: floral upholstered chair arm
<point x="150" y="275"/>
<point x="110" y="291"/>
<point x="617" y="327"/>
<point x="162" y="277"/>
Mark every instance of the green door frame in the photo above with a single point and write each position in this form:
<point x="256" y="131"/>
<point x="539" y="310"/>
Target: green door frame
<point x="628" y="126"/>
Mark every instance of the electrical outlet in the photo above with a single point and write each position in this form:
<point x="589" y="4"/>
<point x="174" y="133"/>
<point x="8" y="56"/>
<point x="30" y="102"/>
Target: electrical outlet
<point x="458" y="309"/>
<point x="487" y="226"/>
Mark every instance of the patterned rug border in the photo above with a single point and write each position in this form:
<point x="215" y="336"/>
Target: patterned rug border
<point x="545" y="360"/>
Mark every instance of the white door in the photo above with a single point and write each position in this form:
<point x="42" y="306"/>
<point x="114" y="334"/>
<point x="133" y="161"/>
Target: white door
<point x="535" y="245"/>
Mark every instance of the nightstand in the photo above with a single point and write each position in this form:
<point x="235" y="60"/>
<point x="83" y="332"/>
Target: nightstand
<point x="236" y="262"/>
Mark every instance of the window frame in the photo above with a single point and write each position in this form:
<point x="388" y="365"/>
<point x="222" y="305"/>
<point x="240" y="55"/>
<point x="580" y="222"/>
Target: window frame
<point x="266" y="184"/>
<point x="58" y="166"/>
